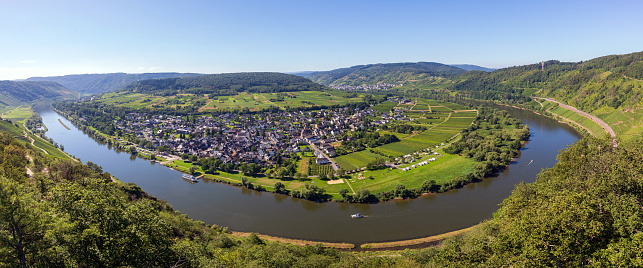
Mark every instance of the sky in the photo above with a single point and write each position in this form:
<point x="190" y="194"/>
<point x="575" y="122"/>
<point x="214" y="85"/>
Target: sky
<point x="50" y="38"/>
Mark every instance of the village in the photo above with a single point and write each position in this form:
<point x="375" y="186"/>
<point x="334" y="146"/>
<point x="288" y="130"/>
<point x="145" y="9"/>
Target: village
<point x="250" y="138"/>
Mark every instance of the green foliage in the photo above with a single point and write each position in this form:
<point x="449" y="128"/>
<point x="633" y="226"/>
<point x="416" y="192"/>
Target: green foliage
<point x="360" y="140"/>
<point x="101" y="83"/>
<point x="224" y="84"/>
<point x="14" y="93"/>
<point x="384" y="73"/>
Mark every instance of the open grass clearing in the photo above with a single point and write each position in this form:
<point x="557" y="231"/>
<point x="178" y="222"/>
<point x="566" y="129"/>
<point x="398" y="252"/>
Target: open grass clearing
<point x="443" y="169"/>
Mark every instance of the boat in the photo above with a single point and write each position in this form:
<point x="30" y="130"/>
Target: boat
<point x="357" y="216"/>
<point x="189" y="177"/>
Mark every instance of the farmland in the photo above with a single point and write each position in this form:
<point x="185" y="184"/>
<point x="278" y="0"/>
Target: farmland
<point x="243" y="100"/>
<point x="442" y="124"/>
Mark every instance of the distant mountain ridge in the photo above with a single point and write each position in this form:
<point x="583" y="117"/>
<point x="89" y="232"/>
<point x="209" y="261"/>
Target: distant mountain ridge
<point x="225" y="84"/>
<point x="101" y="83"/>
<point x="384" y="73"/>
<point x="470" y="67"/>
<point x="15" y="93"/>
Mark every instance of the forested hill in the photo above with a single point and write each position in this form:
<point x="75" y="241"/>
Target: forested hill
<point x="384" y="73"/>
<point x="469" y="67"/>
<point x="610" y="82"/>
<point x="225" y="84"/>
<point x="100" y="83"/>
<point x="14" y="93"/>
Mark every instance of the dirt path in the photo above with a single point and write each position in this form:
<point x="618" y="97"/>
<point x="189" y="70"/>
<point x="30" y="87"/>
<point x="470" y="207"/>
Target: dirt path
<point x="349" y="185"/>
<point x="632" y="78"/>
<point x="584" y="114"/>
<point x="32" y="142"/>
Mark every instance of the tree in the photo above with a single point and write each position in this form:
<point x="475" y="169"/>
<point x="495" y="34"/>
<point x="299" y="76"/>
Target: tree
<point x="280" y="187"/>
<point x="341" y="172"/>
<point x="429" y="186"/>
<point x="22" y="221"/>
<point x="343" y="192"/>
<point x="193" y="170"/>
<point x="94" y="213"/>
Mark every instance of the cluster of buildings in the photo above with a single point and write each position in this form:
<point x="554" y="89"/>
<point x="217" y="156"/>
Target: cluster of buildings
<point x="245" y="138"/>
<point x="380" y="86"/>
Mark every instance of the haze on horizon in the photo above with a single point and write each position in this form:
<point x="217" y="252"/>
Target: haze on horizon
<point x="49" y="38"/>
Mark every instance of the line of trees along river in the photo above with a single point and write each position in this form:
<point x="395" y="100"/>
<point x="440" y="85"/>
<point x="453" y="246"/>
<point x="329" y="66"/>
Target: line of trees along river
<point x="241" y="209"/>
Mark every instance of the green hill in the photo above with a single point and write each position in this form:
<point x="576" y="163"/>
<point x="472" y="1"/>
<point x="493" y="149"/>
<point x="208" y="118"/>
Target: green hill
<point x="469" y="67"/>
<point x="608" y="87"/>
<point x="384" y="73"/>
<point x="101" y="83"/>
<point x="15" y="93"/>
<point x="225" y="84"/>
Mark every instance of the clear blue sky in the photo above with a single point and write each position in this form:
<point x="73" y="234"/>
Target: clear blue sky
<point x="46" y="38"/>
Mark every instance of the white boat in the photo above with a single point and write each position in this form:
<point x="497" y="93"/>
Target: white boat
<point x="357" y="216"/>
<point x="189" y="178"/>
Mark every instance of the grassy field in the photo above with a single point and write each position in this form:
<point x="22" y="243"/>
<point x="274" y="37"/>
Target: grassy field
<point x="304" y="165"/>
<point x="446" y="167"/>
<point x="18" y="115"/>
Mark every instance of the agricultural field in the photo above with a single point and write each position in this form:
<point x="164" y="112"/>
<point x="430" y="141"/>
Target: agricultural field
<point x="18" y="115"/>
<point x="242" y="100"/>
<point x="591" y="125"/>
<point x="304" y="165"/>
<point x="356" y="160"/>
<point x="316" y="170"/>
<point x="443" y="127"/>
<point x="627" y="124"/>
<point x="465" y="114"/>
<point x="385" y="107"/>
<point x="454" y="106"/>
<point x="458" y="122"/>
<point x="252" y="101"/>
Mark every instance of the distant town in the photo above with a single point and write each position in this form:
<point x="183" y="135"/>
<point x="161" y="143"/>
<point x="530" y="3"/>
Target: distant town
<point x="379" y="86"/>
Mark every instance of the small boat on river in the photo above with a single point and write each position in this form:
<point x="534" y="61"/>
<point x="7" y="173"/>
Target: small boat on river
<point x="189" y="177"/>
<point x="357" y="216"/>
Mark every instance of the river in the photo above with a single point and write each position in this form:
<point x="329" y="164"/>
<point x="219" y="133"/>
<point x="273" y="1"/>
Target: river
<point x="241" y="209"/>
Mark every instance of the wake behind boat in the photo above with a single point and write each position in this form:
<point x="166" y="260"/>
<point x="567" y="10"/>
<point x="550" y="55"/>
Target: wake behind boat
<point x="189" y="177"/>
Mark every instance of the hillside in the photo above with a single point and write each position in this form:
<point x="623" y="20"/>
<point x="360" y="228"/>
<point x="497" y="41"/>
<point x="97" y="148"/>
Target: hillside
<point x="101" y="83"/>
<point x="225" y="84"/>
<point x="393" y="73"/>
<point x="15" y="93"/>
<point x="608" y="87"/>
<point x="469" y="67"/>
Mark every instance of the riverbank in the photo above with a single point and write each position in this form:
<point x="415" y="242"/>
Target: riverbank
<point x="297" y="242"/>
<point x="416" y="243"/>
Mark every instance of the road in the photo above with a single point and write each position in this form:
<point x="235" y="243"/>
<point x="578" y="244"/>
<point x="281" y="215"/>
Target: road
<point x="332" y="163"/>
<point x="591" y="117"/>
